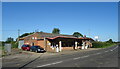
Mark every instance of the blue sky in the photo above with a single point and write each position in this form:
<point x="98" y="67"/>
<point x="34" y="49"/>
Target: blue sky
<point x="97" y="18"/>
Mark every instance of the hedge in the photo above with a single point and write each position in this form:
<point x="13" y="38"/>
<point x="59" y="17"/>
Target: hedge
<point x="102" y="44"/>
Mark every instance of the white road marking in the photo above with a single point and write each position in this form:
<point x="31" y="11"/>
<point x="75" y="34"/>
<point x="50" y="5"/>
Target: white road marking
<point x="106" y="51"/>
<point x="73" y="58"/>
<point x="93" y="54"/>
<point x="114" y="48"/>
<point x="57" y="62"/>
<point x="111" y="50"/>
<point x="76" y="58"/>
<point x="44" y="65"/>
<point x="85" y="56"/>
<point x="98" y="53"/>
<point x="81" y="57"/>
<point x="50" y="64"/>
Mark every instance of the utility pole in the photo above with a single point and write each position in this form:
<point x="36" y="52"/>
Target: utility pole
<point x="18" y="34"/>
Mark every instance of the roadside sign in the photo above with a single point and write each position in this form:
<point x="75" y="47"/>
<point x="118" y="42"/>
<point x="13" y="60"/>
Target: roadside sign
<point x="7" y="47"/>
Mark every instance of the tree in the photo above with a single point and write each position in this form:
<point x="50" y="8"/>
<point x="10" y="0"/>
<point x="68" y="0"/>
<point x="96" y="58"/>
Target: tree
<point x="56" y="31"/>
<point x="110" y="41"/>
<point x="77" y="34"/>
<point x="25" y="34"/>
<point x="9" y="39"/>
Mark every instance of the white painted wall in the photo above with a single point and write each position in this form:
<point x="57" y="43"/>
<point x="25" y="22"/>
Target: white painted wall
<point x="21" y="42"/>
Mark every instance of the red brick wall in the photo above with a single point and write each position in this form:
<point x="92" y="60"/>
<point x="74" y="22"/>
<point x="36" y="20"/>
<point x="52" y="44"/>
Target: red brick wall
<point x="29" y="40"/>
<point x="50" y="49"/>
<point x="40" y="43"/>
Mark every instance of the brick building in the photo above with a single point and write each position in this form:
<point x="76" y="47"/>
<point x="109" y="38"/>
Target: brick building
<point x="52" y="42"/>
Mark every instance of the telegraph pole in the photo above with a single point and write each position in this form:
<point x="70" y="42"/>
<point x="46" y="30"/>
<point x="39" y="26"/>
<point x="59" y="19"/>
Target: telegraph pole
<point x="18" y="34"/>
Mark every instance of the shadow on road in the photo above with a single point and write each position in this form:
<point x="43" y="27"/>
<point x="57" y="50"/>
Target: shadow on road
<point x="30" y="61"/>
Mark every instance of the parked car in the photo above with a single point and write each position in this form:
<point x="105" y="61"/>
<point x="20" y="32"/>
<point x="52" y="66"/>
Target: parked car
<point x="26" y="47"/>
<point x="36" y="49"/>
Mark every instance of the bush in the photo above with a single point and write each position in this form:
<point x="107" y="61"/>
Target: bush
<point x="14" y="44"/>
<point x="102" y="44"/>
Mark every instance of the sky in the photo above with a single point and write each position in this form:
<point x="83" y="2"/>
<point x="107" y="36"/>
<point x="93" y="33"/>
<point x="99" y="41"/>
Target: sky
<point x="89" y="18"/>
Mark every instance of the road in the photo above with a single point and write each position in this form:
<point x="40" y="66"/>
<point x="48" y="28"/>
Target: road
<point x="107" y="57"/>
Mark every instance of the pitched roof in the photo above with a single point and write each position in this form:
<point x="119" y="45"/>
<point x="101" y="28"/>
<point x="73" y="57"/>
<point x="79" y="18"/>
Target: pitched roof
<point x="50" y="35"/>
<point x="44" y="34"/>
<point x="70" y="37"/>
<point x="54" y="36"/>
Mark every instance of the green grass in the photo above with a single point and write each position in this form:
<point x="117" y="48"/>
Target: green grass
<point x="1" y="48"/>
<point x="102" y="44"/>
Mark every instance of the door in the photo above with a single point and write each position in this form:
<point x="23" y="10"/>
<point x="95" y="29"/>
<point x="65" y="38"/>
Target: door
<point x="33" y="44"/>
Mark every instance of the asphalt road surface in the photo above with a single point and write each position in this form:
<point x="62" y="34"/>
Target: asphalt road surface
<point x="107" y="57"/>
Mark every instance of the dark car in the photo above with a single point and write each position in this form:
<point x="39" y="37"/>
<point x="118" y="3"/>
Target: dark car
<point x="26" y="47"/>
<point x="36" y="49"/>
